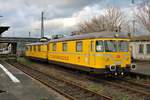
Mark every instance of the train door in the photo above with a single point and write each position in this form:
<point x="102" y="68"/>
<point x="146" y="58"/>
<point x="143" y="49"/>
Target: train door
<point x="92" y="53"/>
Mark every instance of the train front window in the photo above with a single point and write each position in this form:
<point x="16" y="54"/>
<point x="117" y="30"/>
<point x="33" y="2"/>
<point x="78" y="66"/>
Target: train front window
<point x="123" y="46"/>
<point x="99" y="46"/>
<point x="110" y="46"/>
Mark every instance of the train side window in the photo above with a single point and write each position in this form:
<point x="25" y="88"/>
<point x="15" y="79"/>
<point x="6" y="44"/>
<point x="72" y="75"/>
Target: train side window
<point x="99" y="46"/>
<point x="64" y="46"/>
<point x="92" y="46"/>
<point x="34" y="48"/>
<point x="54" y="46"/>
<point x="50" y="47"/>
<point x="148" y="48"/>
<point x="79" y="46"/>
<point x="27" y="48"/>
<point x="141" y="48"/>
<point x="47" y="47"/>
<point x="30" y="48"/>
<point x="39" y="48"/>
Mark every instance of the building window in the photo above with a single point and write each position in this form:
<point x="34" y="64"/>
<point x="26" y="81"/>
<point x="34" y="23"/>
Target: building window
<point x="141" y="48"/>
<point x="148" y="48"/>
<point x="54" y="46"/>
<point x="99" y="46"/>
<point x="79" y="46"/>
<point x="64" y="46"/>
<point x="92" y="46"/>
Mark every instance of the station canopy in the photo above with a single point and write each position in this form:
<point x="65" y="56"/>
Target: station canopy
<point x="3" y="29"/>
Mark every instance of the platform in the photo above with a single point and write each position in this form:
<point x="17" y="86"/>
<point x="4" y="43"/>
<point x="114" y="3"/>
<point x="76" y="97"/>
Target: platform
<point x="16" y="85"/>
<point x="143" y="68"/>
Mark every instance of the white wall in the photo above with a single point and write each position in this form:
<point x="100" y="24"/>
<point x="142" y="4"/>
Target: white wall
<point x="135" y="51"/>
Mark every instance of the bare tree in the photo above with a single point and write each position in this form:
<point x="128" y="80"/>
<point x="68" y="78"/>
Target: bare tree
<point x="143" y="16"/>
<point x="112" y="20"/>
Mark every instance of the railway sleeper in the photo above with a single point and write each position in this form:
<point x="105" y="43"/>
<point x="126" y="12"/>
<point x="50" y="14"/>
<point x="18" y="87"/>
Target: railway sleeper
<point x="83" y="95"/>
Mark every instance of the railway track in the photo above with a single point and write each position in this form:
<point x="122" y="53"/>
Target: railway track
<point x="125" y="84"/>
<point x="139" y="75"/>
<point x="134" y="87"/>
<point x="69" y="89"/>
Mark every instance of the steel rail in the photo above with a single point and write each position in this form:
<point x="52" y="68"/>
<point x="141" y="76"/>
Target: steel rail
<point x="85" y="91"/>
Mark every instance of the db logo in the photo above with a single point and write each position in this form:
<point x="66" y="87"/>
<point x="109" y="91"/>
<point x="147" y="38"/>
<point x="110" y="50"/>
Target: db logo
<point x="118" y="56"/>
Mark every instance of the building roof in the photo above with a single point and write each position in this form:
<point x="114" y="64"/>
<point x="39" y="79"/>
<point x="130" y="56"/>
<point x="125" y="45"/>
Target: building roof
<point x="141" y="38"/>
<point x="3" y="29"/>
<point x="105" y="34"/>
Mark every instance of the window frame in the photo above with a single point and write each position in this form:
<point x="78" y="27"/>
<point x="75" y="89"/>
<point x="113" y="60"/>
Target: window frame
<point x="107" y="47"/>
<point x="64" y="49"/>
<point x="102" y="45"/>
<point x="27" y="48"/>
<point x="54" y="46"/>
<point x="31" y="48"/>
<point x="141" y="49"/>
<point x="119" y="46"/>
<point x="39" y="48"/>
<point x="81" y="49"/>
<point x="147" y="49"/>
<point x="92" y="46"/>
<point x="34" y="47"/>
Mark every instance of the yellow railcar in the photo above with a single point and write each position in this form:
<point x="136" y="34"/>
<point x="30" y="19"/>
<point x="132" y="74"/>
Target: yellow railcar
<point x="103" y="52"/>
<point x="37" y="50"/>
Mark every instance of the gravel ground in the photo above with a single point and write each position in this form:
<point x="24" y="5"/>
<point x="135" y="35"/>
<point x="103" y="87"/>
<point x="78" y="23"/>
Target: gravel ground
<point x="115" y="93"/>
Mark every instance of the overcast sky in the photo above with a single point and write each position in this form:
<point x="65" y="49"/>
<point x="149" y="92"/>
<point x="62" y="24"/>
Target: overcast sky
<point x="61" y="16"/>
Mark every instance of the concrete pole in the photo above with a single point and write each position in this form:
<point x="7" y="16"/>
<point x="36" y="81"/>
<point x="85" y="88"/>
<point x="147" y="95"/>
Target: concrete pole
<point x="42" y="24"/>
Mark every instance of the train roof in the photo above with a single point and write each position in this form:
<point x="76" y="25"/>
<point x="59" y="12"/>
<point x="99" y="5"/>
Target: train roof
<point x="38" y="43"/>
<point x="92" y="36"/>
